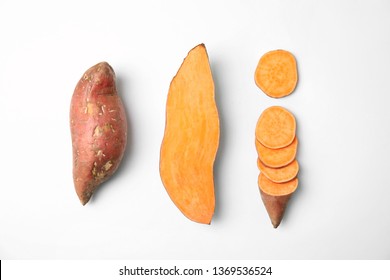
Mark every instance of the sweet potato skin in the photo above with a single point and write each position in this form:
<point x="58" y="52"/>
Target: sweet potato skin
<point x="98" y="129"/>
<point x="276" y="206"/>
<point x="275" y="197"/>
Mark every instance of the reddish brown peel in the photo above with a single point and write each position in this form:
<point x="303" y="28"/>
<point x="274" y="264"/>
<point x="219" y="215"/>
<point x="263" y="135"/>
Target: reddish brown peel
<point x="98" y="129"/>
<point x="191" y="138"/>
<point x="275" y="206"/>
<point x="275" y="197"/>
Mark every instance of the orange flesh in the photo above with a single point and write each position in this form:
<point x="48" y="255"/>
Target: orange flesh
<point x="191" y="138"/>
<point x="277" y="157"/>
<point x="276" y="127"/>
<point x="276" y="145"/>
<point x="277" y="189"/>
<point x="276" y="73"/>
<point x="279" y="175"/>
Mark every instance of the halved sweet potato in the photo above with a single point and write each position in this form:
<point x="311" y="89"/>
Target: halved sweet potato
<point x="276" y="73"/>
<point x="276" y="127"/>
<point x="191" y="138"/>
<point x="276" y="196"/>
<point x="277" y="157"/>
<point x="279" y="175"/>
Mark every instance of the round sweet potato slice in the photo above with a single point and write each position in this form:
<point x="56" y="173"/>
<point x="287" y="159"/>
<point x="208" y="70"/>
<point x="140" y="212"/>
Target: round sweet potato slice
<point x="276" y="127"/>
<point x="277" y="189"/>
<point x="279" y="175"/>
<point x="276" y="158"/>
<point x="276" y="73"/>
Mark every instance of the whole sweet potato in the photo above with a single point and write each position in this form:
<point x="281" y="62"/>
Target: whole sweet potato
<point x="98" y="128"/>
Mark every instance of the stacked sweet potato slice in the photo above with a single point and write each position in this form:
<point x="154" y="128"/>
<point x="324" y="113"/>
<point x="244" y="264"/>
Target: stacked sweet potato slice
<point x="276" y="145"/>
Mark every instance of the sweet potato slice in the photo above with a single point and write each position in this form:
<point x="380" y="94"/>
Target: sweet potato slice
<point x="279" y="175"/>
<point x="191" y="138"/>
<point x="276" y="127"/>
<point x="276" y="73"/>
<point x="277" y="157"/>
<point x="276" y="196"/>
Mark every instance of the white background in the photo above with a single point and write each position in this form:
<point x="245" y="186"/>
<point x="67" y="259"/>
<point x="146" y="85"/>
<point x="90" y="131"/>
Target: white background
<point x="341" y="103"/>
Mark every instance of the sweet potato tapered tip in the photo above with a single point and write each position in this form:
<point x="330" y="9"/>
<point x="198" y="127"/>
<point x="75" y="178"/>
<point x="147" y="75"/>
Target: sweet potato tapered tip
<point x="275" y="197"/>
<point x="275" y="206"/>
